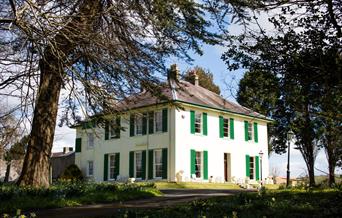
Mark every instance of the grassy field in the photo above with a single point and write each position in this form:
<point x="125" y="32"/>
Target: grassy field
<point x="71" y="194"/>
<point x="269" y="203"/>
<point x="195" y="185"/>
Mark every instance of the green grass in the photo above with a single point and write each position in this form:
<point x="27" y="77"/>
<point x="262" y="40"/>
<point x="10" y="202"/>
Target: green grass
<point x="271" y="186"/>
<point x="71" y="194"/>
<point x="271" y="203"/>
<point x="195" y="185"/>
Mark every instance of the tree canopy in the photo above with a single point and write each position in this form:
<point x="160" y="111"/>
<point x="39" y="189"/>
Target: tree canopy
<point x="95" y="51"/>
<point x="205" y="79"/>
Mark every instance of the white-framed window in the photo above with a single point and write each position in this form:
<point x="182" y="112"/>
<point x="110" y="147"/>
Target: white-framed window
<point x="225" y="127"/>
<point x="198" y="164"/>
<point x="250" y="131"/>
<point x="90" y="171"/>
<point x="158" y="164"/>
<point x="138" y="164"/>
<point x="138" y="124"/>
<point x="112" y="166"/>
<point x="114" y="132"/>
<point x="158" y="121"/>
<point x="198" y="122"/>
<point x="91" y="139"/>
<point x="252" y="167"/>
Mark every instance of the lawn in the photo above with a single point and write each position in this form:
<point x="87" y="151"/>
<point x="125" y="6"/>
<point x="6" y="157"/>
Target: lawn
<point x="269" y="203"/>
<point x="195" y="185"/>
<point x="70" y="194"/>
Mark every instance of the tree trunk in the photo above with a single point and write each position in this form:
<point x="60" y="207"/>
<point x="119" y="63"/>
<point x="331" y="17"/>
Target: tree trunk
<point x="8" y="171"/>
<point x="311" y="171"/>
<point x="35" y="170"/>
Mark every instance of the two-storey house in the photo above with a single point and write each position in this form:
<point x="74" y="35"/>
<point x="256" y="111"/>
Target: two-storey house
<point x="200" y="137"/>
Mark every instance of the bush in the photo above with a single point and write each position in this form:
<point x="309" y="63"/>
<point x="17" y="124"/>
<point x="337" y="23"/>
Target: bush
<point x="72" y="173"/>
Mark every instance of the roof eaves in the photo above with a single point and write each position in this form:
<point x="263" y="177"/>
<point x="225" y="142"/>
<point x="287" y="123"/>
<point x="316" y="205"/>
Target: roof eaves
<point x="268" y="120"/>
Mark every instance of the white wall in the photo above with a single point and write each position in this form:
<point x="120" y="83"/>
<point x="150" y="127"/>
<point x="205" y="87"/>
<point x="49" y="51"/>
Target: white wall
<point x="179" y="142"/>
<point x="216" y="146"/>
<point x="123" y="145"/>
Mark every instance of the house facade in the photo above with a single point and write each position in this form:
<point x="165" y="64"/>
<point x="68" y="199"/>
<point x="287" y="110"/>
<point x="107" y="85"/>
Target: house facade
<point x="198" y="137"/>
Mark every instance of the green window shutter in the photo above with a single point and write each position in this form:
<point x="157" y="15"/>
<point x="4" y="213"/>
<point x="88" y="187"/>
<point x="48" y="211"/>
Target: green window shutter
<point x="150" y="164"/>
<point x="247" y="166"/>
<point x="231" y="128"/>
<point x="205" y="164"/>
<point x="205" y="124"/>
<point x="256" y="132"/>
<point x="192" y="162"/>
<point x="105" y="168"/>
<point x="221" y="126"/>
<point x="246" y="130"/>
<point x="150" y="122"/>
<point x="144" y="124"/>
<point x="192" y="122"/>
<point x="164" y="114"/>
<point x="257" y="177"/>
<point x="131" y="164"/>
<point x="107" y="130"/>
<point x="117" y="165"/>
<point x="118" y="127"/>
<point x="78" y="144"/>
<point x="131" y="125"/>
<point x="164" y="161"/>
<point x="143" y="165"/>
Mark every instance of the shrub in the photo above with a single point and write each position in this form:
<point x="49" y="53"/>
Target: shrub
<point x="72" y="173"/>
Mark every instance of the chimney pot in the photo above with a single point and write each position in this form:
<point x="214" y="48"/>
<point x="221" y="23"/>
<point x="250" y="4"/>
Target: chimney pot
<point x="195" y="76"/>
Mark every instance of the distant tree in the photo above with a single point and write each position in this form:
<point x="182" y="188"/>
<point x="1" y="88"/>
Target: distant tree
<point x="305" y="56"/>
<point x="205" y="79"/>
<point x="259" y="90"/>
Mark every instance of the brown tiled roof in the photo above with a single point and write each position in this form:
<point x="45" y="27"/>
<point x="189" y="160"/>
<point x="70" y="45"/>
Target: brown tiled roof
<point x="186" y="92"/>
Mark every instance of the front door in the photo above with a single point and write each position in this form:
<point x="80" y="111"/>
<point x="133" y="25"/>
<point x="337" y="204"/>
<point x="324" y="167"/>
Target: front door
<point x="227" y="175"/>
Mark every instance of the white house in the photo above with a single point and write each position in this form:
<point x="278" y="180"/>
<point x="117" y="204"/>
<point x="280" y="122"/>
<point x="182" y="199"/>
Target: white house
<point x="198" y="137"/>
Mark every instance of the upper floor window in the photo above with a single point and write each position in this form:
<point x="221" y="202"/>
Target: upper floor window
<point x="114" y="131"/>
<point x="90" y="140"/>
<point x="149" y="122"/>
<point x="90" y="171"/>
<point x="138" y="125"/>
<point x="113" y="128"/>
<point x="250" y="131"/>
<point x="225" y="127"/>
<point x="198" y="122"/>
<point x="158" y="121"/>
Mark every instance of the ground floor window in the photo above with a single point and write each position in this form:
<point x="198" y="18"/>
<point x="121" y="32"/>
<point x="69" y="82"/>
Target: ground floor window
<point x="90" y="168"/>
<point x="138" y="165"/>
<point x="251" y="167"/>
<point x="158" y="164"/>
<point x="112" y="166"/>
<point x="198" y="164"/>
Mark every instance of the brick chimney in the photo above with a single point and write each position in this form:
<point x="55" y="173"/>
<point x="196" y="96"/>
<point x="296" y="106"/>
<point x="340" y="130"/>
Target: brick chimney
<point x="173" y="73"/>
